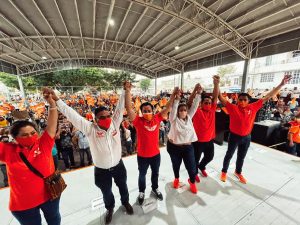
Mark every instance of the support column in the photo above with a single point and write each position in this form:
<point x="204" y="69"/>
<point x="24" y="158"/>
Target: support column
<point x="155" y="85"/>
<point x="245" y="73"/>
<point x="21" y="87"/>
<point x="182" y="77"/>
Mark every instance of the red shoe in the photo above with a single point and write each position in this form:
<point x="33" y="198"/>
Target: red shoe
<point x="197" y="178"/>
<point x="241" y="178"/>
<point x="204" y="173"/>
<point x="176" y="183"/>
<point x="193" y="187"/>
<point x="223" y="177"/>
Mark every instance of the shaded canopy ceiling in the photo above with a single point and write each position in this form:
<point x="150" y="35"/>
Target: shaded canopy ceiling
<point x="39" y="36"/>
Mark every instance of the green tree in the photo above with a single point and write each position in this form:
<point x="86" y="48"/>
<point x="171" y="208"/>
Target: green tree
<point x="223" y="71"/>
<point x="9" y="80"/>
<point x="145" y="84"/>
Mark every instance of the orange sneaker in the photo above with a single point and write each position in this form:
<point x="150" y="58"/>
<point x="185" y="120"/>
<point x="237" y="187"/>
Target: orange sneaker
<point x="193" y="187"/>
<point x="241" y="178"/>
<point x="197" y="178"/>
<point x="176" y="183"/>
<point x="223" y="177"/>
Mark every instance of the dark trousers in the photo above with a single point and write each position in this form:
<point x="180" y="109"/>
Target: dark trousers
<point x="67" y="154"/>
<point x="5" y="178"/>
<point x="295" y="150"/>
<point x="103" y="180"/>
<point x="143" y="164"/>
<point x="241" y="143"/>
<point x="55" y="160"/>
<point x="185" y="153"/>
<point x="88" y="155"/>
<point x="128" y="145"/>
<point x="208" y="150"/>
<point x="162" y="136"/>
<point x="33" y="216"/>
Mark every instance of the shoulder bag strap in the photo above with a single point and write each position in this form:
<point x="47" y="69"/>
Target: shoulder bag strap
<point x="30" y="167"/>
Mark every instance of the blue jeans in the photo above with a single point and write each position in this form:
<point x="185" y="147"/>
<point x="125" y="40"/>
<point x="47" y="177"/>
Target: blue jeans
<point x="185" y="153"/>
<point x="33" y="216"/>
<point x="295" y="150"/>
<point x="103" y="180"/>
<point x="143" y="164"/>
<point x="241" y="143"/>
<point x="162" y="136"/>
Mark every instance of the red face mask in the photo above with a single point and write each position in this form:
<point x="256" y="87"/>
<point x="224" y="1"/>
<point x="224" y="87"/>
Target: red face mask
<point x="206" y="107"/>
<point x="148" y="116"/>
<point x="105" y="123"/>
<point x="27" y="141"/>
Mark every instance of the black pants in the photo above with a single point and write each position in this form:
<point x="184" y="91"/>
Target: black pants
<point x="240" y="142"/>
<point x="103" y="180"/>
<point x="5" y="178"/>
<point x="185" y="153"/>
<point x="88" y="155"/>
<point x="143" y="164"/>
<point x="67" y="154"/>
<point x="208" y="150"/>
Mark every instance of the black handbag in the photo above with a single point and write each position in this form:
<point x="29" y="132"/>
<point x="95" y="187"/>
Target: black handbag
<point x="54" y="183"/>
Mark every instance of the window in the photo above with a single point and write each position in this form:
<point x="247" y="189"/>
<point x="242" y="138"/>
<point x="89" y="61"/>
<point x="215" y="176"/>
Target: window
<point x="236" y="81"/>
<point x="295" y="77"/>
<point x="268" y="60"/>
<point x="267" y="77"/>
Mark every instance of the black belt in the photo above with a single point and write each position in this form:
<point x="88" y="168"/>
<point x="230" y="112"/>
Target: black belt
<point x="111" y="168"/>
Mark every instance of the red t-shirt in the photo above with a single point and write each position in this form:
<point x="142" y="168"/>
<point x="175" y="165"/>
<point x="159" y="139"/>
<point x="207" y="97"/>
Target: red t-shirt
<point x="147" y="135"/>
<point x="242" y="119"/>
<point x="27" y="190"/>
<point x="204" y="123"/>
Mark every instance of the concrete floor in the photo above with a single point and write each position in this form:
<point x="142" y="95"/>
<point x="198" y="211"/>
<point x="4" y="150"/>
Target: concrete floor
<point x="271" y="196"/>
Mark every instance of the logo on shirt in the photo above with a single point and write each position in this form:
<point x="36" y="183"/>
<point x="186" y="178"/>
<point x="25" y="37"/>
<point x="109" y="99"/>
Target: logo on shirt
<point x="150" y="128"/>
<point x="100" y="133"/>
<point x="37" y="152"/>
<point x="114" y="133"/>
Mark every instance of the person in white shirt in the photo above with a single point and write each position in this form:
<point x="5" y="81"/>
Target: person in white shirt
<point x="84" y="147"/>
<point x="105" y="144"/>
<point x="181" y="136"/>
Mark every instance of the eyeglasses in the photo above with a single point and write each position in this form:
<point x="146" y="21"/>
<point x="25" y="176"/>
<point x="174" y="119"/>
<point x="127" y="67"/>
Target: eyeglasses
<point x="103" y="117"/>
<point x="243" y="100"/>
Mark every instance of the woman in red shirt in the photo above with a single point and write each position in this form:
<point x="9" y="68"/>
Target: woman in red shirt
<point x="27" y="191"/>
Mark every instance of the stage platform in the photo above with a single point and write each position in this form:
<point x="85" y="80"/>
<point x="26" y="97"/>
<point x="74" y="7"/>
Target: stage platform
<point x="271" y="196"/>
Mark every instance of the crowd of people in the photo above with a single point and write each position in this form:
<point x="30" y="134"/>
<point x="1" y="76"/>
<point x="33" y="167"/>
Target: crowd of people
<point x="101" y="131"/>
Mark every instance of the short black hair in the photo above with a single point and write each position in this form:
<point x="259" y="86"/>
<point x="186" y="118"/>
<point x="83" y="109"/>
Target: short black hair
<point x="244" y="95"/>
<point x="204" y="97"/>
<point x="146" y="104"/>
<point x="15" y="128"/>
<point x="100" y="109"/>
